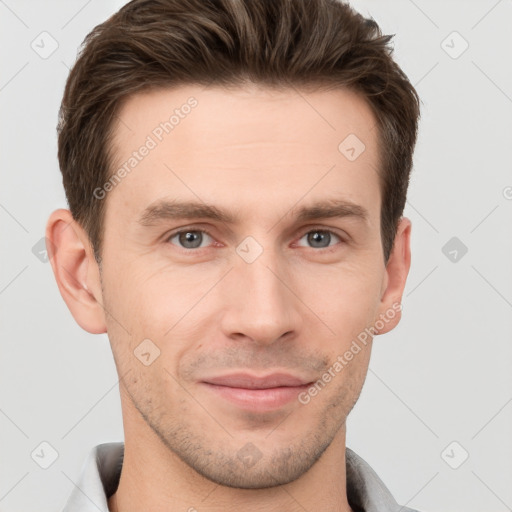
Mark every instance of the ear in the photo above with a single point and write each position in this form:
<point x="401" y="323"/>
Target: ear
<point x="397" y="269"/>
<point x="76" y="270"/>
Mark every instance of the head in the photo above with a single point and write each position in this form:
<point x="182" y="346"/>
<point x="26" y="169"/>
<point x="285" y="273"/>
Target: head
<point x="292" y="130"/>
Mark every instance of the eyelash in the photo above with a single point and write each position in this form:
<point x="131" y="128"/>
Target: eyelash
<point x="310" y="230"/>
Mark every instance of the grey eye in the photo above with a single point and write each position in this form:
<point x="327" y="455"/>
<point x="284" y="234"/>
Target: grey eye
<point x="190" y="239"/>
<point x="319" y="238"/>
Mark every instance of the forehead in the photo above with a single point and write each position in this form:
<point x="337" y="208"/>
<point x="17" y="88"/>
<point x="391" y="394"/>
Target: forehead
<point x="249" y="145"/>
<point x="258" y="114"/>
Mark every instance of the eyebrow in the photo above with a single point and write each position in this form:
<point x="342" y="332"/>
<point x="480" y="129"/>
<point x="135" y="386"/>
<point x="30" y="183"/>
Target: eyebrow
<point x="164" y="210"/>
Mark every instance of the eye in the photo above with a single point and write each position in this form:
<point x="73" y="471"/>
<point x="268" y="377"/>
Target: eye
<point x="320" y="238"/>
<point x="189" y="238"/>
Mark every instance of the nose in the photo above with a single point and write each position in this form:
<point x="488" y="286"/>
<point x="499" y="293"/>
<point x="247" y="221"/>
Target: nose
<point x="262" y="300"/>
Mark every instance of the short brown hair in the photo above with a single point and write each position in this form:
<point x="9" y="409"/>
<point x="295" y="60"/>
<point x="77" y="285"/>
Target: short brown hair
<point x="276" y="43"/>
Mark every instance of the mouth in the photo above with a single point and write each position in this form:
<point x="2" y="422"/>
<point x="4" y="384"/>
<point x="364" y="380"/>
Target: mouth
<point x="256" y="393"/>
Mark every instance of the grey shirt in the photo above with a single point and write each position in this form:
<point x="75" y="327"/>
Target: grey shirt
<point x="101" y="472"/>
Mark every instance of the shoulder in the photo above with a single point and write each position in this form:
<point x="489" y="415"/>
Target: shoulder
<point x="365" y="490"/>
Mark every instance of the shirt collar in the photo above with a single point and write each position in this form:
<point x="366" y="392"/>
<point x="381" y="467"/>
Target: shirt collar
<point x="102" y="469"/>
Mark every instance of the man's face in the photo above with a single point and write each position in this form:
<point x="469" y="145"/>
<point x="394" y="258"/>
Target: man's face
<point x="263" y="294"/>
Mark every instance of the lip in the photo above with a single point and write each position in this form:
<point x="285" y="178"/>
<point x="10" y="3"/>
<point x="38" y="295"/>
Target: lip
<point x="256" y="393"/>
<point x="248" y="381"/>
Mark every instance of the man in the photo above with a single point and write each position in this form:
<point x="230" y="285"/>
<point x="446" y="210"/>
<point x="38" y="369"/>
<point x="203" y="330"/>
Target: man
<point x="236" y="172"/>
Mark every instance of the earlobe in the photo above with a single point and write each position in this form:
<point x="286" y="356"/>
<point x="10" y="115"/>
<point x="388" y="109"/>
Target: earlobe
<point x="395" y="278"/>
<point x="76" y="271"/>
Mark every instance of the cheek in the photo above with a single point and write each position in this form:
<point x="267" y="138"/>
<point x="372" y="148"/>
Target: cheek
<point x="344" y="297"/>
<point x="150" y="299"/>
<point x="167" y="308"/>
<point x="331" y="398"/>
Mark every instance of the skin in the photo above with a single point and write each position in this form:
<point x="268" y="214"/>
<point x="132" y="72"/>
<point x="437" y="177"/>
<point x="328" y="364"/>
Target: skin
<point x="261" y="155"/>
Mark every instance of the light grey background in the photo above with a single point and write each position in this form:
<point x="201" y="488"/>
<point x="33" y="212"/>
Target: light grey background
<point x="443" y="375"/>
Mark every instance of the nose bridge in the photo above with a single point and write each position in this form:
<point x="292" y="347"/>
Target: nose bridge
<point x="262" y="305"/>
